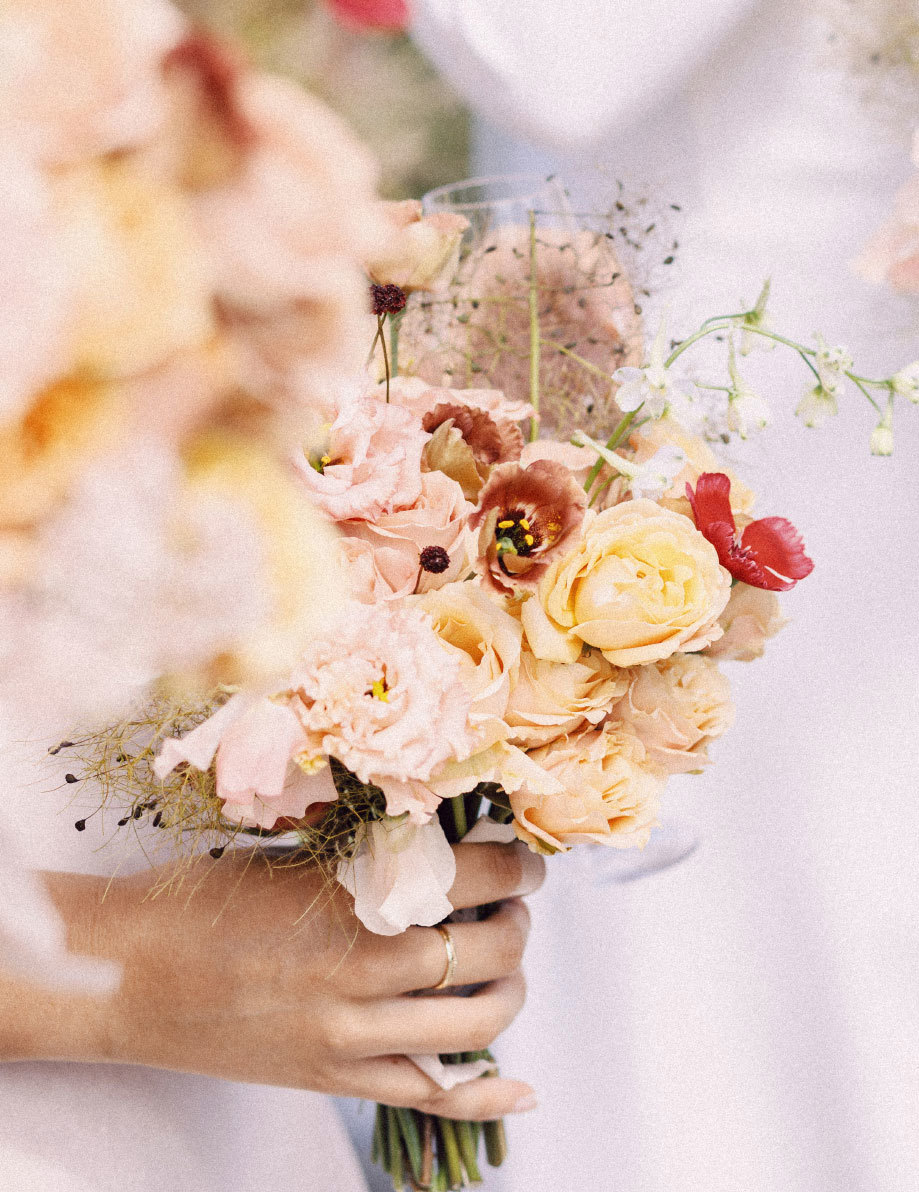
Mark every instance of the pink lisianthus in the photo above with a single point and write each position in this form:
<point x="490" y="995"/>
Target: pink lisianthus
<point x="255" y="741"/>
<point x="421" y="398"/>
<point x="382" y="696"/>
<point x="439" y="518"/>
<point x="370" y="463"/>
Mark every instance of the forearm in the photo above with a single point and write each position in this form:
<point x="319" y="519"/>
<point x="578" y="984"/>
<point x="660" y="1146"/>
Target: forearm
<point x="37" y="1024"/>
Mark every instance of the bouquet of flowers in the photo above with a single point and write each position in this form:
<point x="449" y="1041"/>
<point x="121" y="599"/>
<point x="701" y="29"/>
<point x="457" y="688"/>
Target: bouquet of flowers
<point x="529" y="635"/>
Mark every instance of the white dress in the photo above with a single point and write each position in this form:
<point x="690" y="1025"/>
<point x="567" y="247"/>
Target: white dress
<point x="100" y="1128"/>
<point x="749" y="1020"/>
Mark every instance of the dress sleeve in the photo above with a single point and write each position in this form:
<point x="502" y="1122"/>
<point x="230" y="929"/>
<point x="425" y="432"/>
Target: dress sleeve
<point x="568" y="71"/>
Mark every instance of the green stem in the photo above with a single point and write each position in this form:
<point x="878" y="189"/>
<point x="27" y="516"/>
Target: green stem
<point x="380" y="320"/>
<point x="394" y="1147"/>
<point x="469" y="1149"/>
<point x="458" y="807"/>
<point x="495" y="1143"/>
<point x="451" y="1153"/>
<point x="534" y="331"/>
<point x="378" y="1152"/>
<point x="408" y="1127"/>
<point x="611" y="444"/>
<point x="395" y="325"/>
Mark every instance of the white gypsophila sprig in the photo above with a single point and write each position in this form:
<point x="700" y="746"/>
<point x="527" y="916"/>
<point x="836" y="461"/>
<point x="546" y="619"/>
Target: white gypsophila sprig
<point x="906" y="382"/>
<point x="757" y="319"/>
<point x="882" y="435"/>
<point x="816" y="405"/>
<point x="747" y="410"/>
<point x="650" y="479"/>
<point x="654" y="387"/>
<point x="831" y="364"/>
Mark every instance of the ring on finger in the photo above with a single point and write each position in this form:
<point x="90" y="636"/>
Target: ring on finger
<point x="450" y="949"/>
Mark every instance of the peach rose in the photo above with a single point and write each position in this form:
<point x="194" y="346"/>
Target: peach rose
<point x="665" y="432"/>
<point x="438" y="518"/>
<point x="423" y="251"/>
<point x="552" y="699"/>
<point x="751" y="617"/>
<point x="641" y="584"/>
<point x="609" y="794"/>
<point x="485" y="640"/>
<point x="676" y="707"/>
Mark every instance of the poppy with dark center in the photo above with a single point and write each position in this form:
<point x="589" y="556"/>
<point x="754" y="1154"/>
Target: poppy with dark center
<point x="526" y="517"/>
<point x="770" y="551"/>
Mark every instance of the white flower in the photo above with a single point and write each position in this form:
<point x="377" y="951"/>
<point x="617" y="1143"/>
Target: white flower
<point x="816" y="406"/>
<point x="656" y="475"/>
<point x="399" y="875"/>
<point x="746" y="409"/>
<point x="832" y="364"/>
<point x="653" y="386"/>
<point x="906" y="381"/>
<point x="756" y="319"/>
<point x="882" y="435"/>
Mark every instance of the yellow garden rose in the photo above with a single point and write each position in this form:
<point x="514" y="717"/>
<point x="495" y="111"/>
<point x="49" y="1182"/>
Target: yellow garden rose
<point x="641" y="584"/>
<point x="551" y="699"/>
<point x="609" y="792"/>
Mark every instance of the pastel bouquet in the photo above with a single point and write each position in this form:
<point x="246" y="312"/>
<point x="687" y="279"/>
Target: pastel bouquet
<point x="529" y="632"/>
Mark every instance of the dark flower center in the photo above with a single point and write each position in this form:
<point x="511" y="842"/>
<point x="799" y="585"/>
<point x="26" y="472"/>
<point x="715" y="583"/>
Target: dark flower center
<point x="387" y="300"/>
<point x="516" y="534"/>
<point x="434" y="559"/>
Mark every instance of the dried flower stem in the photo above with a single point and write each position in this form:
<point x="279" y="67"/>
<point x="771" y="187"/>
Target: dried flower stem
<point x="535" y="340"/>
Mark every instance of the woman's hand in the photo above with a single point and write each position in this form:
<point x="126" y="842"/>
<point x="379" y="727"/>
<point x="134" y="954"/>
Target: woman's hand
<point x="264" y="975"/>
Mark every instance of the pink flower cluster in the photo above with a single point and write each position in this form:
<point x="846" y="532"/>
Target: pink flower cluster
<point x="501" y="630"/>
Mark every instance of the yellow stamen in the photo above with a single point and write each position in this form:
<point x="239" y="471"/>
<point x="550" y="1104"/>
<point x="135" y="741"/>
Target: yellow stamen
<point x="529" y="539"/>
<point x="378" y="690"/>
<point x="505" y="525"/>
<point x="310" y="763"/>
<point x="524" y="524"/>
<point x="326" y="460"/>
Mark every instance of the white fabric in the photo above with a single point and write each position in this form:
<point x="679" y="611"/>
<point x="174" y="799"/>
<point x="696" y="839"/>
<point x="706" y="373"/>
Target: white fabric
<point x="88" y="1128"/>
<point x="750" y="1019"/>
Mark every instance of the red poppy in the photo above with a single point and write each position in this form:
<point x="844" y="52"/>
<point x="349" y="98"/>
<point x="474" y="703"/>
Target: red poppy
<point x="768" y="554"/>
<point x="372" y="14"/>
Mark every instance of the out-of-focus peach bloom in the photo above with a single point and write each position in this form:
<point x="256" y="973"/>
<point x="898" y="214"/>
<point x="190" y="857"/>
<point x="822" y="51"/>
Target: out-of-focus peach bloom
<point x="641" y="584"/>
<point x="369" y="464"/>
<point x="610" y="792"/>
<point x="892" y="254"/>
<point x="421" y="252"/>
<point x="485" y="641"/>
<point x="552" y="699"/>
<point x="439" y="518"/>
<point x="677" y="707"/>
<point x="82" y="78"/>
<point x="665" y="432"/>
<point x="34" y="283"/>
<point x="578" y="460"/>
<point x="751" y="617"/>
<point x="526" y="517"/>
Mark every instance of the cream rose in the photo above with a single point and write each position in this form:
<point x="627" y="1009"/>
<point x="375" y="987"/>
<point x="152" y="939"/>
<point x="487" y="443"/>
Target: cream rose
<point x="665" y="432"/>
<point x="609" y="792"/>
<point x="485" y="641"/>
<point x="751" y="617"/>
<point x="641" y="584"/>
<point x="677" y="707"/>
<point x="551" y="699"/>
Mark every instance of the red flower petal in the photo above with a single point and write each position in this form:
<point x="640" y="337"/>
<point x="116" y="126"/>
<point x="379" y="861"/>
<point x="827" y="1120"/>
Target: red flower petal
<point x="393" y="15"/>
<point x="711" y="502"/>
<point x="779" y="549"/>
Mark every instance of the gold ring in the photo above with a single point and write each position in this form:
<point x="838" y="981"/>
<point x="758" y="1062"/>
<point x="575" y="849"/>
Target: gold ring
<point x="450" y="948"/>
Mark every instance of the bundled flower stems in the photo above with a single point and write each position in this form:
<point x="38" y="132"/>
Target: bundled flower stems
<point x="522" y="634"/>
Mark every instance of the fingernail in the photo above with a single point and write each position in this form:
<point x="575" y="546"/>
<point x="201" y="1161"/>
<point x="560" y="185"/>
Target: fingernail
<point x="532" y="871"/>
<point x="525" y="1104"/>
